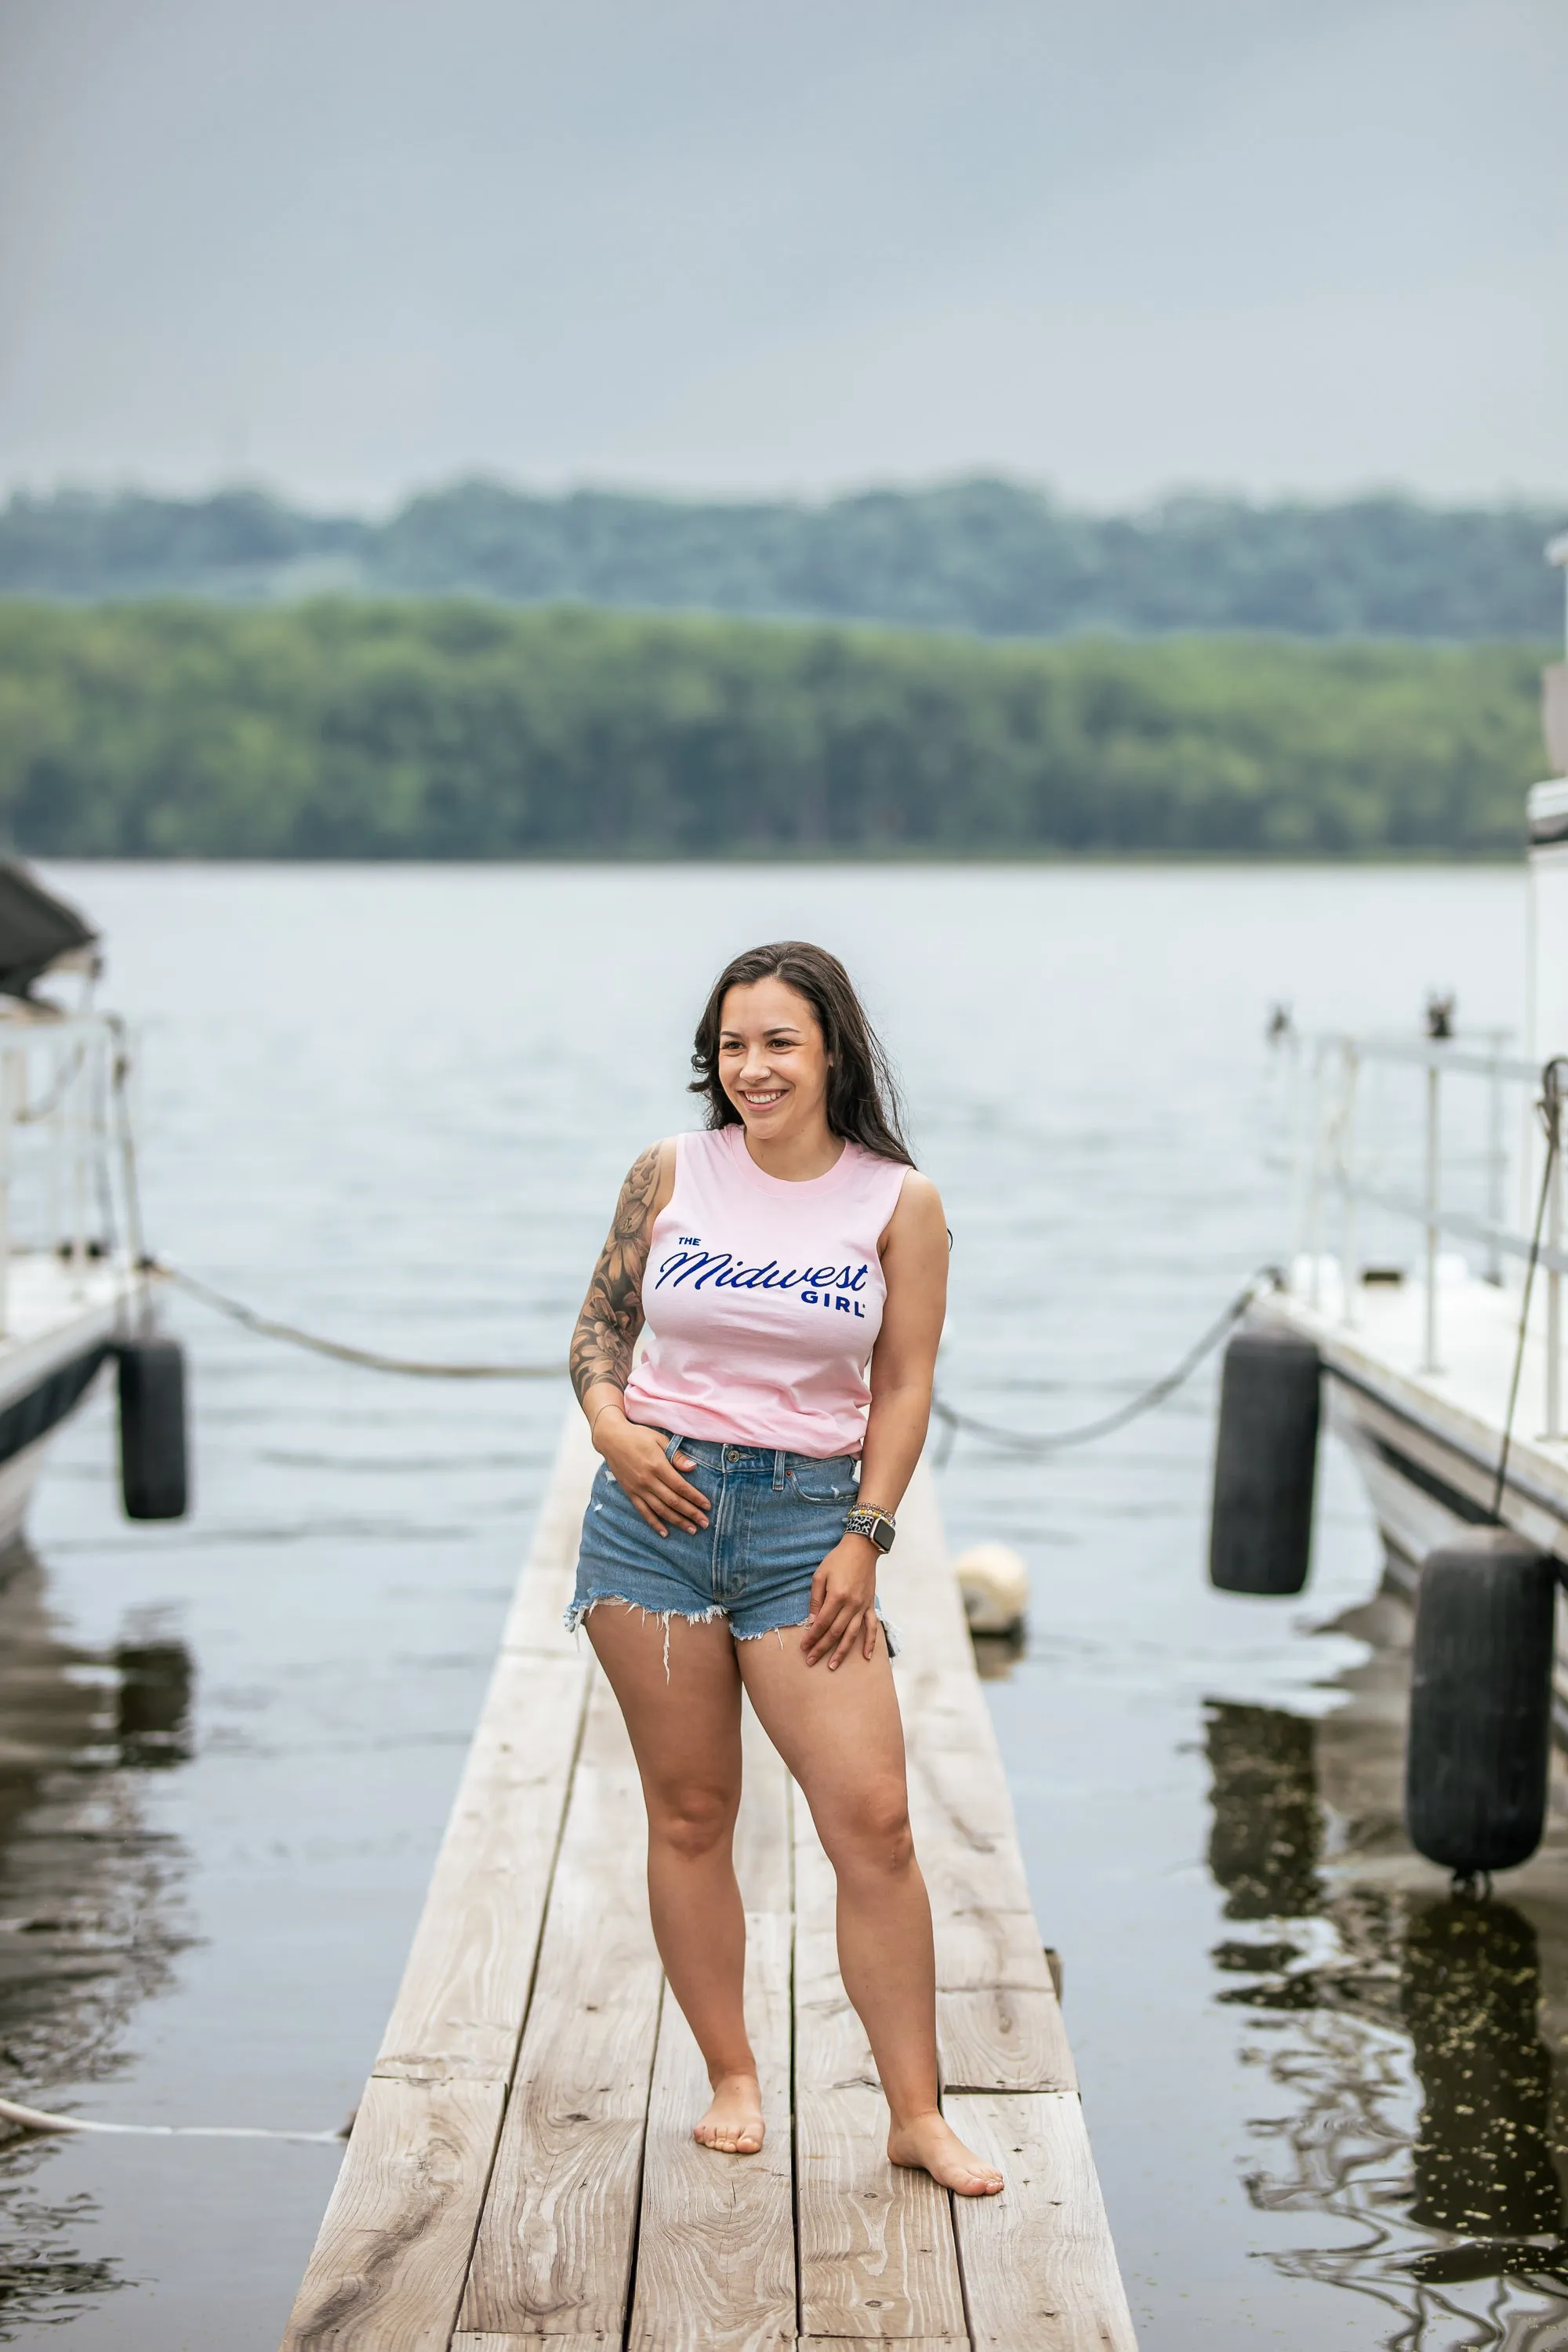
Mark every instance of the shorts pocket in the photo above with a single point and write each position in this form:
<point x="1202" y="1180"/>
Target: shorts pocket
<point x="828" y="1484"/>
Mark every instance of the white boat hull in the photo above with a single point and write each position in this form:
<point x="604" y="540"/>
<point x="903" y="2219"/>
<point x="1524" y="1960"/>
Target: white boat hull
<point x="1427" y="1444"/>
<point x="61" y="1322"/>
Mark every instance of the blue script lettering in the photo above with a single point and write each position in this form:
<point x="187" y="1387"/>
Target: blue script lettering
<point x="693" y="1266"/>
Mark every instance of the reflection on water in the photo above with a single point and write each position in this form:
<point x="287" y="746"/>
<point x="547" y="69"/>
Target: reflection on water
<point x="1424" y="2097"/>
<point x="88" y="1902"/>
<point x="1267" y="1831"/>
<point x="154" y="1702"/>
<point x="1469" y="1994"/>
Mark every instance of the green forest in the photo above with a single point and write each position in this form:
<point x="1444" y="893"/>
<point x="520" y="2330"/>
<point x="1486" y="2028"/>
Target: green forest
<point x="445" y="729"/>
<point x="999" y="558"/>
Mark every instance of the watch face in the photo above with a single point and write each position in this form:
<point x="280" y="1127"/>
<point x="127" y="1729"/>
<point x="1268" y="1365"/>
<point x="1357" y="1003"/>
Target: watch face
<point x="882" y="1535"/>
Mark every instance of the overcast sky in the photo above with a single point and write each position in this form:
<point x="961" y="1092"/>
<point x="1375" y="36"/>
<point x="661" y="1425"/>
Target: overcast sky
<point x="352" y="246"/>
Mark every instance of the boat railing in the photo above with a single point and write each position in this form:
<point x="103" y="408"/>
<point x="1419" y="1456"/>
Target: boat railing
<point x="67" y="1187"/>
<point x="1339" y="1171"/>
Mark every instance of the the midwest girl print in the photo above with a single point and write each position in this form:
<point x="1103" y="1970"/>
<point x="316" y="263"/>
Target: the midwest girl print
<point x="820" y="1285"/>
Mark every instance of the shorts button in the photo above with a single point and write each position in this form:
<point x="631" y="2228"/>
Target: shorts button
<point x="731" y="1454"/>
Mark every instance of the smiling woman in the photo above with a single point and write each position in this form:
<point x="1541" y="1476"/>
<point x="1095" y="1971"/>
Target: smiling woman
<point x="791" y="1267"/>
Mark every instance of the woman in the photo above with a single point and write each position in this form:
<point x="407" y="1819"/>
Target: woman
<point x="775" y="1259"/>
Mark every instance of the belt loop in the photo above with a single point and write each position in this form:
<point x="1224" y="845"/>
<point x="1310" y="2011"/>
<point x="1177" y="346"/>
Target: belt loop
<point x="780" y="1458"/>
<point x="672" y="1449"/>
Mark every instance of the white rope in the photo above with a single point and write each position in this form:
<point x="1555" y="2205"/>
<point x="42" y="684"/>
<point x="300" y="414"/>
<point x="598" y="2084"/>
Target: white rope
<point x="38" y="2119"/>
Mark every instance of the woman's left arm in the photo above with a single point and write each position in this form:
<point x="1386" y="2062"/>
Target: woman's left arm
<point x="903" y="1363"/>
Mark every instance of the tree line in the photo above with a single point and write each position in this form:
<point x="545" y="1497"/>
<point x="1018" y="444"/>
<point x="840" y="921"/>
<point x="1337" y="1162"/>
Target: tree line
<point x="998" y="558"/>
<point x="352" y="728"/>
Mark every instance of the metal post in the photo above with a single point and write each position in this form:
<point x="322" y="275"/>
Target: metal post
<point x="81" y="1088"/>
<point x="1315" y="1181"/>
<point x="1433" y="1211"/>
<point x="56" y="1213"/>
<point x="1349" y="1288"/>
<point x="1555" y="1241"/>
<point x="1296" y="1145"/>
<point x="1497" y="1172"/>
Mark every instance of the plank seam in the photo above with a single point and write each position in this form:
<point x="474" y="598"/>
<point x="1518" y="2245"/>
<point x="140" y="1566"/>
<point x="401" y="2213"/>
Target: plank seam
<point x="630" y="2313"/>
<point x="549" y="1886"/>
<point x="483" y="2197"/>
<point x="965" y="2302"/>
<point x="1012" y="2091"/>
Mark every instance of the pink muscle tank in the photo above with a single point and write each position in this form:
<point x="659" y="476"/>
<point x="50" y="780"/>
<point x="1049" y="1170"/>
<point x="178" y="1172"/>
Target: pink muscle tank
<point x="763" y="1299"/>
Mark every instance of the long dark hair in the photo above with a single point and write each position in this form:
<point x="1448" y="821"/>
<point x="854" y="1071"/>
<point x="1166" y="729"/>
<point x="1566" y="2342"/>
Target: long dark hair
<point x="863" y="1103"/>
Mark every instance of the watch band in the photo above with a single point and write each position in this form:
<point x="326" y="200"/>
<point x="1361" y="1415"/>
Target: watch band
<point x="880" y="1527"/>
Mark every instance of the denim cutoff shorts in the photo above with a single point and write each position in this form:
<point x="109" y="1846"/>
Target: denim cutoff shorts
<point x="772" y="1519"/>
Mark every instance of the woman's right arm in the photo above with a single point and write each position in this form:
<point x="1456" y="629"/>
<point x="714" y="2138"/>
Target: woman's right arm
<point x="601" y="1355"/>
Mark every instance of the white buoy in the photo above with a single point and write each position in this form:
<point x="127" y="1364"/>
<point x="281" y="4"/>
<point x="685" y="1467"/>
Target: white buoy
<point x="995" y="1583"/>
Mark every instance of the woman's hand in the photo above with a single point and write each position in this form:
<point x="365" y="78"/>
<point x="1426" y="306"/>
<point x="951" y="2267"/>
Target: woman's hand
<point x="843" y="1604"/>
<point x="650" y="1477"/>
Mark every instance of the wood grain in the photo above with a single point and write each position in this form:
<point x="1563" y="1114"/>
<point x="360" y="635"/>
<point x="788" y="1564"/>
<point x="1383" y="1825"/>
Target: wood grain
<point x="387" y="2272"/>
<point x="876" y="2255"/>
<point x="1038" y="2262"/>
<point x="1004" y="2039"/>
<point x="536" y="2344"/>
<point x="716" y="2247"/>
<point x="459" y="2008"/>
<point x="554" y="2250"/>
<point x="543" y="1860"/>
<point x="876" y="2246"/>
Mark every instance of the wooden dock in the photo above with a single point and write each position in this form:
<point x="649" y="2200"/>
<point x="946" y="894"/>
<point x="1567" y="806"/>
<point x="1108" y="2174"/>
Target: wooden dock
<point x="521" y="2166"/>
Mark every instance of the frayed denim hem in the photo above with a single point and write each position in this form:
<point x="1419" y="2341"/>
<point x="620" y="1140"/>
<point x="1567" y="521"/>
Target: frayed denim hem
<point x="582" y="1610"/>
<point x="575" y="1617"/>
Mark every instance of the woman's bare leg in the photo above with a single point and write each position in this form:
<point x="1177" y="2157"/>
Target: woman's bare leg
<point x="685" y="1727"/>
<point x="841" y="1736"/>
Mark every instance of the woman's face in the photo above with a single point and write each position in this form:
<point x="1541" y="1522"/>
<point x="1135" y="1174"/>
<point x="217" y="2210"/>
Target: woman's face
<point x="773" y="1064"/>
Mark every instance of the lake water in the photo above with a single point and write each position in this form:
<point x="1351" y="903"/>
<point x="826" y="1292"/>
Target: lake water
<point x="394" y="1103"/>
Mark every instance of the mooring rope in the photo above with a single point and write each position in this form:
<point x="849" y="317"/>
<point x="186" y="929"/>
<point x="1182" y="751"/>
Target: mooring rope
<point x="1026" y="1445"/>
<point x="1019" y="1442"/>
<point x="40" y="2120"/>
<point x="368" y="1358"/>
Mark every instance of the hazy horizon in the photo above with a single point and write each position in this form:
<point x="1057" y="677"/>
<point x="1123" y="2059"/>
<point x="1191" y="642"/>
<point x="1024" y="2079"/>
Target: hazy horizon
<point x="375" y="511"/>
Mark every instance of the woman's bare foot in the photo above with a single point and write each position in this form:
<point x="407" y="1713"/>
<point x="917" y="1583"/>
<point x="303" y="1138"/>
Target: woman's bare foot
<point x="733" y="2123"/>
<point x="929" y="2143"/>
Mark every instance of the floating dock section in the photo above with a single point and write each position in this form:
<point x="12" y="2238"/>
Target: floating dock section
<point x="521" y="2175"/>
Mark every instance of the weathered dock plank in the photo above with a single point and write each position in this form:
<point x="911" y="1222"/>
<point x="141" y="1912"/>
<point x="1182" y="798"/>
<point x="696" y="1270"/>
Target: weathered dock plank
<point x="459" y="2008"/>
<point x="534" y="2343"/>
<point x="1039" y="2262"/>
<point x="716" y="2250"/>
<point x="554" y="2249"/>
<point x="388" y="2269"/>
<point x="877" y="2254"/>
<point x="521" y="2177"/>
<point x="716" y="2241"/>
<point x="408" y="2197"/>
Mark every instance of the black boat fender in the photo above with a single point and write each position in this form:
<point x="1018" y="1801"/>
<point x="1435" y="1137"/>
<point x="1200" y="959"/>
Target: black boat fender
<point x="153" y="1480"/>
<point x="1266" y="1462"/>
<point x="1478" y="1749"/>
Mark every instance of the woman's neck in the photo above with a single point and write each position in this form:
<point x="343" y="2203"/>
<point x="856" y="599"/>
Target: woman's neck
<point x="796" y="1159"/>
